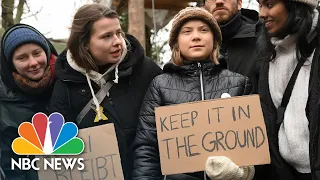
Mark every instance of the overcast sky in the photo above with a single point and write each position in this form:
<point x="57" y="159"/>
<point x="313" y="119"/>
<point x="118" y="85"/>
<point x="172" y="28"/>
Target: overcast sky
<point x="55" y="16"/>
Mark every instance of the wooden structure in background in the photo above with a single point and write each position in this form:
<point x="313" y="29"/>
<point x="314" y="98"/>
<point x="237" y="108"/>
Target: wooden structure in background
<point x="137" y="20"/>
<point x="174" y="5"/>
<point x="136" y="10"/>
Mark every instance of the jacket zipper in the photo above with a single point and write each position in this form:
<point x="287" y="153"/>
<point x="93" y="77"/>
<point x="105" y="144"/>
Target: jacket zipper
<point x="66" y="80"/>
<point x="202" y="96"/>
<point x="201" y="80"/>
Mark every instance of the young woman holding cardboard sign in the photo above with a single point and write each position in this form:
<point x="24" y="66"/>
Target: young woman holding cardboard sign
<point x="195" y="73"/>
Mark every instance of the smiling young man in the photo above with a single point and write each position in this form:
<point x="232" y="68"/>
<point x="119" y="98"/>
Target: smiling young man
<point x="240" y="30"/>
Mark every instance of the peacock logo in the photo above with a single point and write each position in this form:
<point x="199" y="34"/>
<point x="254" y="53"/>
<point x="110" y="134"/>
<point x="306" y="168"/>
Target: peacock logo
<point x="48" y="136"/>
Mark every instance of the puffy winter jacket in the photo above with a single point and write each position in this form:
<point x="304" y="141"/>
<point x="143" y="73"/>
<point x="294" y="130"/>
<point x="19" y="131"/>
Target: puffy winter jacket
<point x="179" y="84"/>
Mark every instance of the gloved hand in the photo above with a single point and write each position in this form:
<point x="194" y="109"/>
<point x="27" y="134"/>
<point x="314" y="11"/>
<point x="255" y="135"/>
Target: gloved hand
<point x="222" y="168"/>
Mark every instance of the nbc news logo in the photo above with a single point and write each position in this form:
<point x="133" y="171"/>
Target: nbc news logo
<point x="47" y="136"/>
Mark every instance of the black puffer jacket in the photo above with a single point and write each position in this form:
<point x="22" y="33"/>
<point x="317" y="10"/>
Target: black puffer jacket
<point x="179" y="84"/>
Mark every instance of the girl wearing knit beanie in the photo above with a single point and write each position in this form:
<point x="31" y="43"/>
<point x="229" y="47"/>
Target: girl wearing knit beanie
<point x="26" y="82"/>
<point x="195" y="73"/>
<point x="289" y="88"/>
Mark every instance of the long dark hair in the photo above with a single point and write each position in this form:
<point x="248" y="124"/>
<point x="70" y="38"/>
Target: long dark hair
<point x="299" y="22"/>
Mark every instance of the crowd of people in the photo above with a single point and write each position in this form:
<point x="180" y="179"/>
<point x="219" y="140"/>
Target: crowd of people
<point x="216" y="49"/>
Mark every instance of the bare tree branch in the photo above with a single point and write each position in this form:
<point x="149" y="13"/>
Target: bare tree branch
<point x="19" y="11"/>
<point x="27" y="5"/>
<point x="32" y="14"/>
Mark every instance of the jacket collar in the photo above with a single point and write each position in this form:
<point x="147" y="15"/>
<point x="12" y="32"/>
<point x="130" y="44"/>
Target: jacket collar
<point x="243" y="25"/>
<point x="231" y="28"/>
<point x="99" y="79"/>
<point x="191" y="68"/>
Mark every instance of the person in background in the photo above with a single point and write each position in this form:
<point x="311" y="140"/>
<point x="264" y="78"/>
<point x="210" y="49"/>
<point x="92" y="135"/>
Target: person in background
<point x="101" y="58"/>
<point x="241" y="29"/>
<point x="289" y="88"/>
<point x="26" y="81"/>
<point x="194" y="74"/>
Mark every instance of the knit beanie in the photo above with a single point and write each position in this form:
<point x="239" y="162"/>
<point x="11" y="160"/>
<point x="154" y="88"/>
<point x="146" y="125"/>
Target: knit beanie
<point x="312" y="3"/>
<point x="193" y="13"/>
<point x="22" y="35"/>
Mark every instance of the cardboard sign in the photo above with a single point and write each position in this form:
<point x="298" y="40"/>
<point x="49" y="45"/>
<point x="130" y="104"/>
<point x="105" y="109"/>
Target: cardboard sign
<point x="101" y="157"/>
<point x="191" y="132"/>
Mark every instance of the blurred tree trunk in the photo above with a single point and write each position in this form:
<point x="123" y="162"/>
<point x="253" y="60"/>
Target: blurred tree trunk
<point x="7" y="13"/>
<point x="148" y="42"/>
<point x="19" y="11"/>
<point x="136" y="20"/>
<point x="7" y="7"/>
